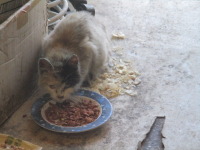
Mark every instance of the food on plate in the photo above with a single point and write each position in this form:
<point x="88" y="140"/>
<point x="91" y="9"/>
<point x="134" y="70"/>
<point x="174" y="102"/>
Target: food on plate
<point x="72" y="113"/>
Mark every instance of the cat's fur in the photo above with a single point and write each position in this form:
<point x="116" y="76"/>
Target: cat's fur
<point x="74" y="52"/>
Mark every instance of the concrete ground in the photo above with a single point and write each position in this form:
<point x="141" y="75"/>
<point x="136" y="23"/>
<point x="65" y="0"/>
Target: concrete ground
<point x="163" y="42"/>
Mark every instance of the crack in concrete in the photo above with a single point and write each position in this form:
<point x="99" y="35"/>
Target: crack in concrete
<point x="153" y="139"/>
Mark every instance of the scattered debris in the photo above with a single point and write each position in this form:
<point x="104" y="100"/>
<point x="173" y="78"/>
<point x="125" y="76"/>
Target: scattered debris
<point x="119" y="80"/>
<point x="118" y="36"/>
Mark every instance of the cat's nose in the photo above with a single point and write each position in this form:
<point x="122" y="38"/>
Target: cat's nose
<point x="60" y="97"/>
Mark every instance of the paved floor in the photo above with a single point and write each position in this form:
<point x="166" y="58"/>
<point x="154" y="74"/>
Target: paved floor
<point x="163" y="42"/>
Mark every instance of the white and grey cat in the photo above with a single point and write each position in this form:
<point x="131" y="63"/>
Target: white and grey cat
<point x="76" y="51"/>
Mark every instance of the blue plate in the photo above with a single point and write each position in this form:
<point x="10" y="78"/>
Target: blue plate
<point x="105" y="114"/>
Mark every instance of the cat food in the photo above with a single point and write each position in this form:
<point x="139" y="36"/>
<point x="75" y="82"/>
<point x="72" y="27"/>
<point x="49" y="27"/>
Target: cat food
<point x="10" y="147"/>
<point x="71" y="114"/>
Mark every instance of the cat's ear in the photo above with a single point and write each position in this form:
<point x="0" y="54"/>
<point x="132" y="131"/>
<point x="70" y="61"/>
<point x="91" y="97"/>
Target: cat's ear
<point x="73" y="61"/>
<point x="44" y="65"/>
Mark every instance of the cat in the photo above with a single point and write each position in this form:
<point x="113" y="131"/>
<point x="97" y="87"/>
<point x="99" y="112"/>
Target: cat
<point x="75" y="52"/>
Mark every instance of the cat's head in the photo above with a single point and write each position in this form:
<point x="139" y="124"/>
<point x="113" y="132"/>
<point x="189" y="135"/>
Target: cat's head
<point x="59" y="78"/>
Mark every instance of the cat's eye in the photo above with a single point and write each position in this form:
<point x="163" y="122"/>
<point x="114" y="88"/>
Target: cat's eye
<point x="52" y="86"/>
